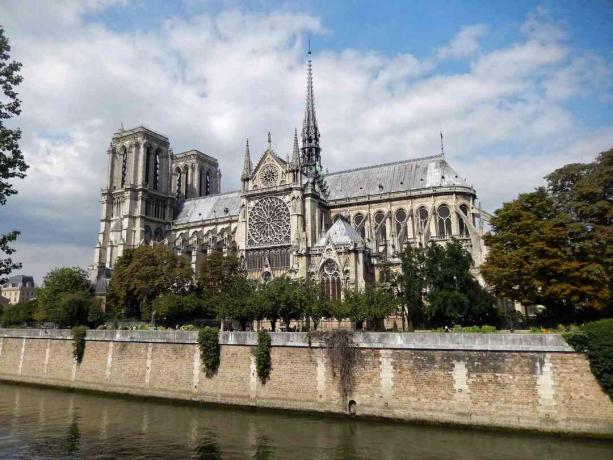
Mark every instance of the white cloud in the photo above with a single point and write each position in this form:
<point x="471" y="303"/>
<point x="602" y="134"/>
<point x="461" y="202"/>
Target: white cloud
<point x="464" y="44"/>
<point x="211" y="80"/>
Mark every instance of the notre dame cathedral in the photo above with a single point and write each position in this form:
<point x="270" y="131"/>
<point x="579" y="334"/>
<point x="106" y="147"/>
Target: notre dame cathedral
<point x="289" y="217"/>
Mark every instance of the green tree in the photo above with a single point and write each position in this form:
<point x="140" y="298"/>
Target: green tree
<point x="218" y="272"/>
<point x="410" y="284"/>
<point x="63" y="297"/>
<point x="280" y="299"/>
<point x="454" y="296"/>
<point x="238" y="301"/>
<point x="18" y="314"/>
<point x="141" y="275"/>
<point x="12" y="163"/>
<point x="554" y="246"/>
<point x="172" y="309"/>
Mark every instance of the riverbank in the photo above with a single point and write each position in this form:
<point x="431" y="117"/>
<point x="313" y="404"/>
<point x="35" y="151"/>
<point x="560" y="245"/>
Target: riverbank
<point x="509" y="381"/>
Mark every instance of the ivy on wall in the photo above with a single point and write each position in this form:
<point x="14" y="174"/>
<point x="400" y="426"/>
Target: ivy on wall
<point x="78" y="342"/>
<point x="263" y="361"/>
<point x="208" y="341"/>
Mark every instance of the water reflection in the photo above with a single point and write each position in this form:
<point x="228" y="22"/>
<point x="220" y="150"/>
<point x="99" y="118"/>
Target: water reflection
<point x="39" y="424"/>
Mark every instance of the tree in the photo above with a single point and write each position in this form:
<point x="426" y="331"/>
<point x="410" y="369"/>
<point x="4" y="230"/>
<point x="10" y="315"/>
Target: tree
<point x="61" y="298"/>
<point x="218" y="272"/>
<point x="141" y="275"/>
<point x="12" y="163"/>
<point x="554" y="246"/>
<point x="172" y="309"/>
<point x="279" y="298"/>
<point x="454" y="296"/>
<point x="238" y="301"/>
<point x="410" y="284"/>
<point x="18" y="314"/>
<point x="372" y="304"/>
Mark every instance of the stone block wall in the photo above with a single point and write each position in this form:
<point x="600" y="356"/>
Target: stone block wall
<point x="497" y="380"/>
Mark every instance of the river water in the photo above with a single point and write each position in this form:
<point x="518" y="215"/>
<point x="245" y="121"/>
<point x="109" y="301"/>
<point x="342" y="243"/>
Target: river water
<point x="38" y="423"/>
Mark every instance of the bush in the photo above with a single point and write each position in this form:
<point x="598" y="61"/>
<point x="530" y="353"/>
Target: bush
<point x="18" y="314"/>
<point x="263" y="361"/>
<point x="78" y="342"/>
<point x="208" y="340"/>
<point x="596" y="341"/>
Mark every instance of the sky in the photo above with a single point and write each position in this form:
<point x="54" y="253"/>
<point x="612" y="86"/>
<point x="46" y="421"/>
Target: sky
<point x="518" y="89"/>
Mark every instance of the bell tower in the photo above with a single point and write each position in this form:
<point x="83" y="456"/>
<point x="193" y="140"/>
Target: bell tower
<point x="137" y="202"/>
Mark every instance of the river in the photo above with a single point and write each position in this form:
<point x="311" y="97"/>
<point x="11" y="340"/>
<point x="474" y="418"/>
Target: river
<point x="37" y="423"/>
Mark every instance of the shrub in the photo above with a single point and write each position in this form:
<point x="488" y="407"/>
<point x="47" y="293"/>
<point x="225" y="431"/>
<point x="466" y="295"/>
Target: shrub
<point x="596" y="341"/>
<point x="208" y="340"/>
<point x="263" y="361"/>
<point x="78" y="342"/>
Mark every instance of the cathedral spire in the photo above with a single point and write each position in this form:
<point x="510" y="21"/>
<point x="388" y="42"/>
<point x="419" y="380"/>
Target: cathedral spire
<point x="295" y="151"/>
<point x="310" y="131"/>
<point x="246" y="162"/>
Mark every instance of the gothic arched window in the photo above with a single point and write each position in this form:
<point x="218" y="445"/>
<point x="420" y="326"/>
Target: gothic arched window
<point x="208" y="183"/>
<point x="358" y="224"/>
<point x="380" y="230"/>
<point x="422" y="219"/>
<point x="461" y="224"/>
<point x="158" y="235"/>
<point x="124" y="166"/>
<point x="201" y="180"/>
<point x="401" y="226"/>
<point x="185" y="181"/>
<point x="147" y="163"/>
<point x="178" y="174"/>
<point x="444" y="221"/>
<point x="156" y="169"/>
<point x="331" y="280"/>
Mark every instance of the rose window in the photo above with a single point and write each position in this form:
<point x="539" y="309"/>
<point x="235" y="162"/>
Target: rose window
<point x="269" y="223"/>
<point x="269" y="176"/>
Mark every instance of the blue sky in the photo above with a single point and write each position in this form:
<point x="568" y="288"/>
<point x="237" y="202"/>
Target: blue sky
<point x="519" y="88"/>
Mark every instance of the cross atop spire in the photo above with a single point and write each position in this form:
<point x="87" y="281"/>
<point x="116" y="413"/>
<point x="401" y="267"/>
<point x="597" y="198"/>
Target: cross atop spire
<point x="442" y="145"/>
<point x="269" y="141"/>
<point x="310" y="131"/>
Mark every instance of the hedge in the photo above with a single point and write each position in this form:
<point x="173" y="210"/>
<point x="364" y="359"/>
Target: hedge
<point x="596" y="341"/>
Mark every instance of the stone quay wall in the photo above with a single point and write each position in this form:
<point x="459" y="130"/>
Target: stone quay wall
<point x="515" y="381"/>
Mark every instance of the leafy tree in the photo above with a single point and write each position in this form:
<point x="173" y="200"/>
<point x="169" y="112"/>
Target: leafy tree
<point x="280" y="298"/>
<point x="18" y="314"/>
<point x="410" y="284"/>
<point x="371" y="304"/>
<point x="238" y="302"/>
<point x="172" y="309"/>
<point x="12" y="163"/>
<point x="141" y="275"/>
<point x="454" y="296"/>
<point x="61" y="298"/>
<point x="218" y="272"/>
<point x="72" y="309"/>
<point x="95" y="315"/>
<point x="554" y="246"/>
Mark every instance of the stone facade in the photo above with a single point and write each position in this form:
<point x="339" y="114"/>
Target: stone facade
<point x="289" y="217"/>
<point x="18" y="288"/>
<point x="500" y="380"/>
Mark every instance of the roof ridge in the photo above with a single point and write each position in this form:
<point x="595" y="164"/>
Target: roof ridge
<point x="211" y="196"/>
<point x="412" y="160"/>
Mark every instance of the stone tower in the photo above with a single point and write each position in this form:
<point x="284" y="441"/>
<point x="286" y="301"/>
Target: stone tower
<point x="138" y="201"/>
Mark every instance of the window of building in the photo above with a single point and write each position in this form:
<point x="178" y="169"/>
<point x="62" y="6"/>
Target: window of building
<point x="422" y="219"/>
<point x="331" y="280"/>
<point x="208" y="183"/>
<point x="147" y="164"/>
<point x="201" y="182"/>
<point x="444" y="221"/>
<point x="178" y="174"/>
<point x="124" y="166"/>
<point x="358" y="224"/>
<point x="401" y="226"/>
<point x="156" y="170"/>
<point x="461" y="224"/>
<point x="380" y="230"/>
